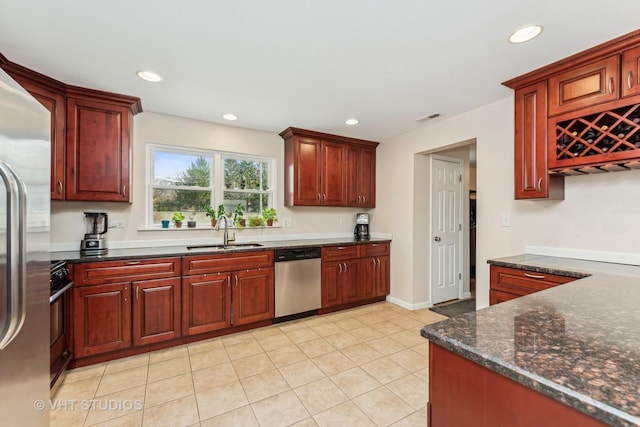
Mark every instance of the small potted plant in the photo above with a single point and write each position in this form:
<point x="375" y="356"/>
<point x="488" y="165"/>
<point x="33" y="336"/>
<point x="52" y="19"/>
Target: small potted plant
<point x="177" y="218"/>
<point x="192" y="222"/>
<point x="256" y="221"/>
<point x="269" y="215"/>
<point x="238" y="214"/>
<point x="213" y="214"/>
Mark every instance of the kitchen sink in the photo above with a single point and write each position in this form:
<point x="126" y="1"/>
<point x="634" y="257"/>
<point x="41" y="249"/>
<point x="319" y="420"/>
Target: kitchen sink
<point x="228" y="246"/>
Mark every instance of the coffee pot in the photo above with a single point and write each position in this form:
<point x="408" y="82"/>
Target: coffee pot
<point x="94" y="242"/>
<point x="361" y="232"/>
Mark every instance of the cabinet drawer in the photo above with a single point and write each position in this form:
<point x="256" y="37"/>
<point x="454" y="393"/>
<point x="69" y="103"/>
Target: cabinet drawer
<point x="585" y="86"/>
<point x="375" y="249"/>
<point x="97" y="273"/>
<point x="522" y="282"/>
<point x="334" y="253"/>
<point x="199" y="264"/>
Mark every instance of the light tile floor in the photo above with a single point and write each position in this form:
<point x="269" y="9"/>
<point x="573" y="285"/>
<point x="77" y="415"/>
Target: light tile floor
<point x="361" y="367"/>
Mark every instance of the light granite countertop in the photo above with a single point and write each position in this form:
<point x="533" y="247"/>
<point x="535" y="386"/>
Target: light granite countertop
<point x="578" y="343"/>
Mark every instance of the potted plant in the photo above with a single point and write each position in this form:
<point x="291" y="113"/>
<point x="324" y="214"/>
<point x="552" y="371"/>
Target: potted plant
<point x="213" y="214"/>
<point x="256" y="221"/>
<point x="192" y="222"/>
<point x="177" y="218"/>
<point x="269" y="215"/>
<point x="238" y="219"/>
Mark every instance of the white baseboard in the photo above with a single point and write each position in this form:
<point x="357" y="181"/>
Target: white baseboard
<point x="407" y="305"/>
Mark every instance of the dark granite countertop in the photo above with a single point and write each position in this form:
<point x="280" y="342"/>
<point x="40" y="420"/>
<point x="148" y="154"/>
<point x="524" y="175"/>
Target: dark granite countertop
<point x="578" y="343"/>
<point x="166" y="251"/>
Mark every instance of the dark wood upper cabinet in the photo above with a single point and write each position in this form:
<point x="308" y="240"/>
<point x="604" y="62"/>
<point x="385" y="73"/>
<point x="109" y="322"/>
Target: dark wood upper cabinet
<point x="531" y="177"/>
<point x="328" y="170"/>
<point x="98" y="147"/>
<point x="576" y="116"/>
<point x="90" y="137"/>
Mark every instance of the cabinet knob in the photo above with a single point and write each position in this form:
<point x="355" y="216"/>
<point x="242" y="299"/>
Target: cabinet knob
<point x="60" y="183"/>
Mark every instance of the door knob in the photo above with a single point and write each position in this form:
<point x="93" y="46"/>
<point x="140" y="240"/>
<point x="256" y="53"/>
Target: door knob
<point x="437" y="239"/>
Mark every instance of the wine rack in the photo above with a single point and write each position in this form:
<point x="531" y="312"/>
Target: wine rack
<point x="604" y="141"/>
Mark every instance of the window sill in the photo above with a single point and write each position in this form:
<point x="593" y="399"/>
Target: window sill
<point x="204" y="227"/>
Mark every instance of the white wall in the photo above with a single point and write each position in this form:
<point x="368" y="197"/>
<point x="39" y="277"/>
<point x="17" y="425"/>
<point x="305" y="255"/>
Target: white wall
<point x="600" y="212"/>
<point x="67" y="218"/>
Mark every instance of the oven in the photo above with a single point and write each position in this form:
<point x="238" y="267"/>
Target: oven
<point x="59" y="302"/>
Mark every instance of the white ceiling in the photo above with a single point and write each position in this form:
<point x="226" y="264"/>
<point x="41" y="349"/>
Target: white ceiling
<point x="304" y="63"/>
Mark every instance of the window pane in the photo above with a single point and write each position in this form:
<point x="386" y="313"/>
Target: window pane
<point x="189" y="202"/>
<point x="252" y="202"/>
<point x="181" y="169"/>
<point x="244" y="174"/>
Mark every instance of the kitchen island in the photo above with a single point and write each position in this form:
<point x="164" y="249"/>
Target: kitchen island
<point x="569" y="355"/>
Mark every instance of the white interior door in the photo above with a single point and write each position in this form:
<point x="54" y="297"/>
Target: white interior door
<point x="446" y="229"/>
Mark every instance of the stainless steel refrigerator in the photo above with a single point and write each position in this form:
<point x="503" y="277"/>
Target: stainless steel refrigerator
<point x="24" y="256"/>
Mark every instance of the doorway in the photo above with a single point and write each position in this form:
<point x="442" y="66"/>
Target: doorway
<point x="464" y="152"/>
<point x="446" y="229"/>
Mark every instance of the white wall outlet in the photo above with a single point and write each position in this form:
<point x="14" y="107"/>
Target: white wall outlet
<point x="506" y="220"/>
<point x="286" y="221"/>
<point x="116" y="224"/>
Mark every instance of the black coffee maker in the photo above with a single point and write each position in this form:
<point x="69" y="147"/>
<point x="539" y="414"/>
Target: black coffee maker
<point x="361" y="231"/>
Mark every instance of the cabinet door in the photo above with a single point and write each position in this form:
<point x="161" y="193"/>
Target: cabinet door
<point x="368" y="277"/>
<point x="156" y="310"/>
<point x="361" y="176"/>
<point x="375" y="277"/>
<point x="331" y="290"/>
<point x="206" y="303"/>
<point x="631" y="72"/>
<point x="383" y="278"/>
<point x="333" y="175"/>
<point x="102" y="318"/>
<point x="585" y="86"/>
<point x="367" y="177"/>
<point x="253" y="295"/>
<point x="307" y="158"/>
<point x="349" y="278"/>
<point x="496" y="297"/>
<point x="531" y="178"/>
<point x="54" y="102"/>
<point x="98" y="151"/>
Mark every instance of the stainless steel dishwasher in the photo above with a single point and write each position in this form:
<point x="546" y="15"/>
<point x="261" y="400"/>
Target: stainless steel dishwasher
<point x="297" y="280"/>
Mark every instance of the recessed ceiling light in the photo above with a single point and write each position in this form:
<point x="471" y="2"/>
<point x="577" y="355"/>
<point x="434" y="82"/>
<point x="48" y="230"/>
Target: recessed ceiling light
<point x="149" y="76"/>
<point x="351" y="122"/>
<point x="229" y="116"/>
<point x="525" y="34"/>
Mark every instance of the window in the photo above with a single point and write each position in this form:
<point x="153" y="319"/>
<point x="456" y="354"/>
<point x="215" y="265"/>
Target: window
<point x="185" y="180"/>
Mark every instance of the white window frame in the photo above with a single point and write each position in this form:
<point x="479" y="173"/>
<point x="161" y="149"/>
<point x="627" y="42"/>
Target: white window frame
<point x="216" y="174"/>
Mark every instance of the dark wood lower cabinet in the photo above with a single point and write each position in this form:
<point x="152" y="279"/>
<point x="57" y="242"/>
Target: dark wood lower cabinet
<point x="206" y="303"/>
<point x="253" y="295"/>
<point x="102" y="320"/>
<point x="463" y="393"/>
<point x="353" y="274"/>
<point x="156" y="310"/>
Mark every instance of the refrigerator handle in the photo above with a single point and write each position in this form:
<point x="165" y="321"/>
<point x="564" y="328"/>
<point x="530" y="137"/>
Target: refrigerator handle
<point x="16" y="254"/>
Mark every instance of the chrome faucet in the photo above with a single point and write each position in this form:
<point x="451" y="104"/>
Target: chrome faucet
<point x="225" y="239"/>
